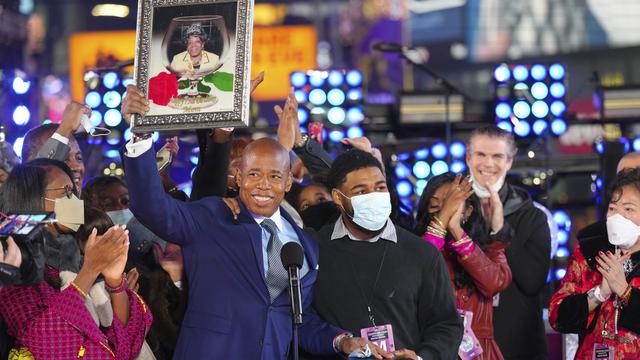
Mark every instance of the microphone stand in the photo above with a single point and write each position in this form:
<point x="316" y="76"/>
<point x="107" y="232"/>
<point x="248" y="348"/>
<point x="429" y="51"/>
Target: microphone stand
<point x="295" y="297"/>
<point x="448" y="87"/>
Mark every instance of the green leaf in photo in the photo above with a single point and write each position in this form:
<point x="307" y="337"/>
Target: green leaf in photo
<point x="222" y="80"/>
<point x="183" y="84"/>
<point x="202" y="88"/>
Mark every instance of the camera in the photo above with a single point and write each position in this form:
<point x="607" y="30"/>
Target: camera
<point x="29" y="233"/>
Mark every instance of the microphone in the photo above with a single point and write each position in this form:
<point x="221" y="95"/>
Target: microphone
<point x="390" y="47"/>
<point x="292" y="257"/>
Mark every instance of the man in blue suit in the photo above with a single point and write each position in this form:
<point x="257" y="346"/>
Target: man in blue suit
<point x="238" y="304"/>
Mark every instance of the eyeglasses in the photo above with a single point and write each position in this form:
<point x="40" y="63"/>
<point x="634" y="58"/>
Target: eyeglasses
<point x="68" y="190"/>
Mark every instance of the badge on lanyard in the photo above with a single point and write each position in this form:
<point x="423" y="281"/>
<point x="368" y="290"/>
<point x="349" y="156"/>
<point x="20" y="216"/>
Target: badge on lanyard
<point x="382" y="336"/>
<point x="470" y="346"/>
<point x="602" y="351"/>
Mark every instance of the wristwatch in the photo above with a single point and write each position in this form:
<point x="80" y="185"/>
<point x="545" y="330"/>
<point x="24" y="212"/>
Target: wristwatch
<point x="303" y="141"/>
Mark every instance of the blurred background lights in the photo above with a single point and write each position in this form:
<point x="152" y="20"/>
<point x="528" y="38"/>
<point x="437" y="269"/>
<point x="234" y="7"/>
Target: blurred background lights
<point x="538" y="72"/>
<point x="298" y="79"/>
<point x="520" y="73"/>
<point x="354" y="78"/>
<point x="439" y="167"/>
<point x="502" y="73"/>
<point x="503" y="110"/>
<point x="20" y="86"/>
<point x="556" y="71"/>
<point x="21" y="115"/>
<point x="439" y="151"/>
<point x="421" y="169"/>
<point x="110" y="80"/>
<point x="93" y="99"/>
<point x="112" y="117"/>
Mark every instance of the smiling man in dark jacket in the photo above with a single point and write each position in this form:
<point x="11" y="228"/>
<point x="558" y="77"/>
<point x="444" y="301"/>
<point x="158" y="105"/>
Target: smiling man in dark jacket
<point x="518" y="324"/>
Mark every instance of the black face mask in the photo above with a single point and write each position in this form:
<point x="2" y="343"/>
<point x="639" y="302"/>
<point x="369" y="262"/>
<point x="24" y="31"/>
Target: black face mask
<point x="319" y="215"/>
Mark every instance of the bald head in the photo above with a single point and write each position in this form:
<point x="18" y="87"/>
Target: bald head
<point x="629" y="161"/>
<point x="266" y="147"/>
<point x="264" y="176"/>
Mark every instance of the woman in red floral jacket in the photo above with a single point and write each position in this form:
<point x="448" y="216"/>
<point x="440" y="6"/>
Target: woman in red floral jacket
<point x="599" y="297"/>
<point x="477" y="264"/>
<point x="50" y="323"/>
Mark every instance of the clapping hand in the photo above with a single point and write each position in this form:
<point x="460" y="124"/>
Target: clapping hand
<point x="288" y="124"/>
<point x="458" y="193"/>
<point x="612" y="270"/>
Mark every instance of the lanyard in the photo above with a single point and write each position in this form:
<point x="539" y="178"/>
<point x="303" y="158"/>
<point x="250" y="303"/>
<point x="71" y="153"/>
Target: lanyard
<point x="367" y="299"/>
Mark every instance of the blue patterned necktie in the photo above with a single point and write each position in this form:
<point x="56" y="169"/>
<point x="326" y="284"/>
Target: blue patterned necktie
<point x="277" y="276"/>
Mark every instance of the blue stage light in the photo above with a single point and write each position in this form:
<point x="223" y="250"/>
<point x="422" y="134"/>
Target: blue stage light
<point x="600" y="148"/>
<point x="336" y="115"/>
<point x="335" y="78"/>
<point x="625" y="142"/>
<point x="127" y="134"/>
<point x="298" y="79"/>
<point x="401" y="170"/>
<point x="354" y="78"/>
<point x="520" y="73"/>
<point x="599" y="183"/>
<point x="562" y="237"/>
<point x="557" y="90"/>
<point x="20" y="86"/>
<point x="110" y="80"/>
<point x="155" y="136"/>
<point x="303" y="116"/>
<point x="636" y="144"/>
<point x="558" y="127"/>
<point x="422" y="154"/>
<point x="93" y="99"/>
<point x="439" y="151"/>
<point x="521" y="109"/>
<point x="439" y="167"/>
<point x="560" y="217"/>
<point x="194" y="159"/>
<point x="112" y="99"/>
<point x="354" y="95"/>
<point x="336" y="135"/>
<point x="522" y="128"/>
<point x="21" y="115"/>
<point x="128" y="81"/>
<point x="403" y="156"/>
<point x="560" y="273"/>
<point x="335" y="97"/>
<point x="112" y="154"/>
<point x="556" y="71"/>
<point x="458" y="166"/>
<point x="317" y="78"/>
<point x="318" y="111"/>
<point x="421" y="169"/>
<point x="355" y="114"/>
<point x="95" y="118"/>
<point x="540" y="109"/>
<point x="539" y="90"/>
<point x="404" y="188"/>
<point x="17" y="145"/>
<point x="505" y="125"/>
<point x="558" y="107"/>
<point x="539" y="126"/>
<point x="354" y="132"/>
<point x="562" y="252"/>
<point x="191" y="172"/>
<point x="502" y="73"/>
<point x="538" y="72"/>
<point x="301" y="96"/>
<point x="503" y="110"/>
<point x="112" y="118"/>
<point x="457" y="149"/>
<point x="317" y="97"/>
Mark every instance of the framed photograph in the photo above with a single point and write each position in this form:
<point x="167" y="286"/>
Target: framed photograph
<point x="193" y="63"/>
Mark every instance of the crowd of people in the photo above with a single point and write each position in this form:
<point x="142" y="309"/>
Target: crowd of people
<point x="151" y="273"/>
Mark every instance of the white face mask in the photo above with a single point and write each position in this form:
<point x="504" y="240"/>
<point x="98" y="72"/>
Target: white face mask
<point x="69" y="211"/>
<point x="121" y="217"/>
<point x="483" y="192"/>
<point x="622" y="232"/>
<point x="371" y="211"/>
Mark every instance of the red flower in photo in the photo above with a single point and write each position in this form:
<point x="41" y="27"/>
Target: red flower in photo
<point x="162" y="88"/>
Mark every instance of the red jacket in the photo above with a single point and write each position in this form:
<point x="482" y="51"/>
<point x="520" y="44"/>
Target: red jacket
<point x="55" y="324"/>
<point x="491" y="274"/>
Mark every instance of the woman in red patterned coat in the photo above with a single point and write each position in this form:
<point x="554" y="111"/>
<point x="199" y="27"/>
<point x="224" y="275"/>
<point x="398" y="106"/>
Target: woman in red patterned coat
<point x="51" y="323"/>
<point x="599" y="297"/>
<point x="473" y="250"/>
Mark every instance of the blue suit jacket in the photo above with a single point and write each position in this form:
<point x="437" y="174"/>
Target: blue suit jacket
<point x="229" y="312"/>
